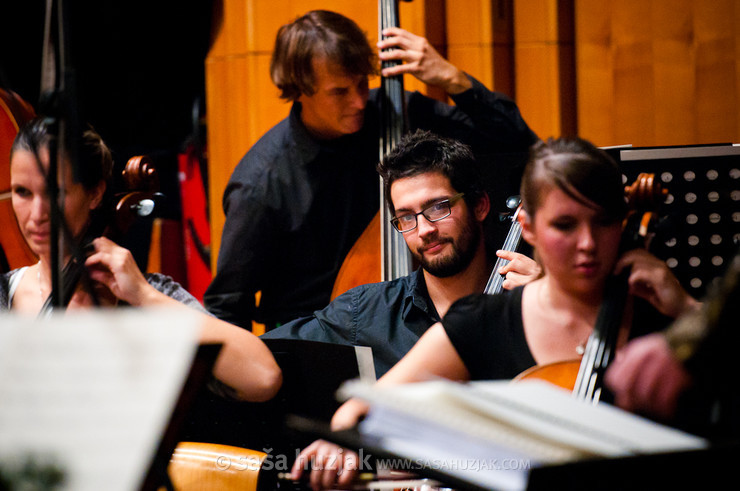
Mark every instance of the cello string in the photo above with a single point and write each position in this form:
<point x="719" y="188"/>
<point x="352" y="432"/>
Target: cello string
<point x="495" y="281"/>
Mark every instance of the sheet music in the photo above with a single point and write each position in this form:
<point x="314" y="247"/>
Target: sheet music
<point x="365" y="363"/>
<point x="491" y="434"/>
<point x="92" y="392"/>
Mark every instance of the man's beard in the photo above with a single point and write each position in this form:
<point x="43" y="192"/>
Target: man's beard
<point x="463" y="252"/>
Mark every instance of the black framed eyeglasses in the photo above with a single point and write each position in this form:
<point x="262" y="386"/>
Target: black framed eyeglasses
<point x="434" y="213"/>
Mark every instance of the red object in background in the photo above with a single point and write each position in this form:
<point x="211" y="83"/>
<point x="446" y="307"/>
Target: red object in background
<point x="196" y="230"/>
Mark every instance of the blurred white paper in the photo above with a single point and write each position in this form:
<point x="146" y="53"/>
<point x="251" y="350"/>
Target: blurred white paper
<point x="93" y="391"/>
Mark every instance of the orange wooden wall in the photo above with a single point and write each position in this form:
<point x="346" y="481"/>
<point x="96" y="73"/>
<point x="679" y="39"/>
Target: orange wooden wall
<point x="659" y="72"/>
<point x="643" y="72"/>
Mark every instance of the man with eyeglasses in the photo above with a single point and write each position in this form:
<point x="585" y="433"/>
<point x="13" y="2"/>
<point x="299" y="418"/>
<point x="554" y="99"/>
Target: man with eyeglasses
<point x="433" y="187"/>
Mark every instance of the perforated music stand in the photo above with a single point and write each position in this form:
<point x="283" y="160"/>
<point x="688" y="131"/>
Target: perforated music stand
<point x="700" y="231"/>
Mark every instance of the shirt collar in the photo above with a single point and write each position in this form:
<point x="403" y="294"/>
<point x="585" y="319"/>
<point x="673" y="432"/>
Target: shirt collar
<point x="418" y="296"/>
<point x="307" y="147"/>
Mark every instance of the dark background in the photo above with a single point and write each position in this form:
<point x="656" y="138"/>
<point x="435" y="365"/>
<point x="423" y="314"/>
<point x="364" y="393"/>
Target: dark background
<point x="139" y="71"/>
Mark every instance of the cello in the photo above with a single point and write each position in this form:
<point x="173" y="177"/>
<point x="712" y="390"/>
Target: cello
<point x="142" y="185"/>
<point x="513" y="237"/>
<point x="584" y="377"/>
<point x="380" y="254"/>
<point x="14" y="252"/>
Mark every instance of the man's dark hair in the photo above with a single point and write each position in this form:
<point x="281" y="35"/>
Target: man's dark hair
<point x="422" y="152"/>
<point x="319" y="33"/>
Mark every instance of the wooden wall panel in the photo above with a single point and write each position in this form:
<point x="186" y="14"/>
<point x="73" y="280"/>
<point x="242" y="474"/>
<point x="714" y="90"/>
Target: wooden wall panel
<point x="594" y="81"/>
<point x="674" y="80"/>
<point x="660" y="72"/>
<point x="717" y="36"/>
<point x="480" y="40"/>
<point x="634" y="85"/>
<point x="544" y="72"/>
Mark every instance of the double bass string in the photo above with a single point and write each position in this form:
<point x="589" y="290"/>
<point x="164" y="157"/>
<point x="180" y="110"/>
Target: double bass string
<point x="395" y="258"/>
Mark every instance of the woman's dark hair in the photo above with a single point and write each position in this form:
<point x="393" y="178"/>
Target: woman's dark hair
<point x="579" y="169"/>
<point x="319" y="33"/>
<point x="422" y="152"/>
<point x="94" y="160"/>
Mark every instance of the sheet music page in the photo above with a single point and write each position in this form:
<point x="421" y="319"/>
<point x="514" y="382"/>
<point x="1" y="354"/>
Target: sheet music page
<point x="493" y="433"/>
<point x="365" y="363"/>
<point x="602" y="428"/>
<point x="92" y="392"/>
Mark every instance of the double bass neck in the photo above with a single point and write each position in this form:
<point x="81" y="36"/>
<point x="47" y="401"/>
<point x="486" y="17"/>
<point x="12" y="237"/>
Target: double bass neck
<point x="395" y="257"/>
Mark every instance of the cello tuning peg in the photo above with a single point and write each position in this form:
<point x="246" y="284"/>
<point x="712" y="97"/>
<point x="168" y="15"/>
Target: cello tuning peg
<point x="512" y="202"/>
<point x="144" y="208"/>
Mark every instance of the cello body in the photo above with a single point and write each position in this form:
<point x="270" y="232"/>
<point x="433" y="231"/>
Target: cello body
<point x="561" y="373"/>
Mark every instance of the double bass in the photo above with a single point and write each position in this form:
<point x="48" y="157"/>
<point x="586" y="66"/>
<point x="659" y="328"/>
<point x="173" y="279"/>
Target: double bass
<point x="584" y="377"/>
<point x="380" y="253"/>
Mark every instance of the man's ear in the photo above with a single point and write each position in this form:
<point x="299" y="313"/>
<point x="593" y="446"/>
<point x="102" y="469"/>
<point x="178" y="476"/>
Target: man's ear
<point x="482" y="207"/>
<point x="527" y="228"/>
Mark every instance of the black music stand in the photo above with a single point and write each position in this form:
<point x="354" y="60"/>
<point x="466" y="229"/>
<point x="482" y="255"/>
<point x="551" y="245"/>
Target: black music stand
<point x="709" y="468"/>
<point x="200" y="373"/>
<point x="700" y="231"/>
<point x="312" y="372"/>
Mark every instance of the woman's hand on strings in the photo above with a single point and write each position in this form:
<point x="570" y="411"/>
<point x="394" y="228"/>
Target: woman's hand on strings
<point x="115" y="267"/>
<point x="651" y="279"/>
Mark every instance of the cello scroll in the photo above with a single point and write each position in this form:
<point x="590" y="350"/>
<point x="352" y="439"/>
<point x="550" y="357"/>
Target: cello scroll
<point x="142" y="181"/>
